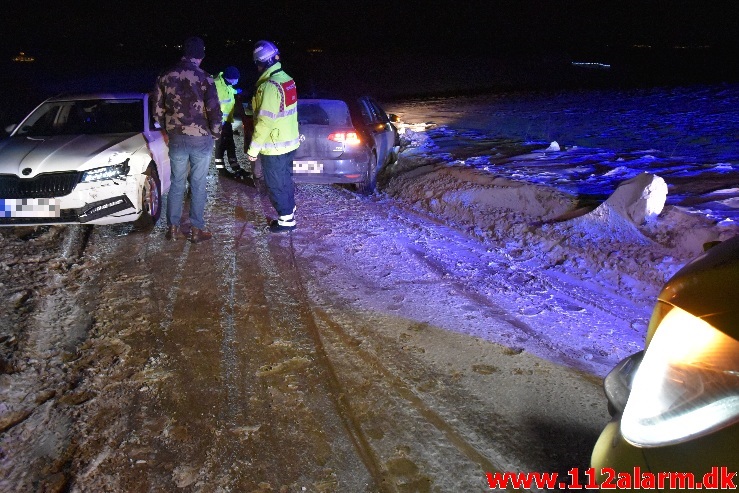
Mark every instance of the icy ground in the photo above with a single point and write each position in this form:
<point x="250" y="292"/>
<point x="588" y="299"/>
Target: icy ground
<point x="454" y="244"/>
<point x="590" y="275"/>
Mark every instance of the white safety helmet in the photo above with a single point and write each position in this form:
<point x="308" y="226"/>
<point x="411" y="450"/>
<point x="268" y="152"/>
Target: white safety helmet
<point x="266" y="53"/>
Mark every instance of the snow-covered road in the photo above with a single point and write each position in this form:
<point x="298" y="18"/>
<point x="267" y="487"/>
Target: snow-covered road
<point x="453" y="323"/>
<point x="349" y="355"/>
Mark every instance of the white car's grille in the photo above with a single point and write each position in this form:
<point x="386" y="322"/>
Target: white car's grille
<point x="42" y="186"/>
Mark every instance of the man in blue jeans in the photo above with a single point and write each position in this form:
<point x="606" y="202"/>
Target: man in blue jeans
<point x="187" y="107"/>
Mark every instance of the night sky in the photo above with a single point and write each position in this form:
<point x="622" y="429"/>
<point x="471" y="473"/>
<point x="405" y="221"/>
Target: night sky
<point x="390" y="48"/>
<point x="517" y="25"/>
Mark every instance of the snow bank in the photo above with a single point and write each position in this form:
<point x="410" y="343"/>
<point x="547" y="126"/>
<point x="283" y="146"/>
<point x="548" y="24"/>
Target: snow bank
<point x="631" y="242"/>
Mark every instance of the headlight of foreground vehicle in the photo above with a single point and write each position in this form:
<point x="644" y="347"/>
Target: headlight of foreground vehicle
<point x="686" y="386"/>
<point x="117" y="171"/>
<point x="619" y="381"/>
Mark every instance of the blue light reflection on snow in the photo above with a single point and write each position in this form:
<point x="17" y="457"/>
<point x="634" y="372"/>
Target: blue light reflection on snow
<point x="685" y="135"/>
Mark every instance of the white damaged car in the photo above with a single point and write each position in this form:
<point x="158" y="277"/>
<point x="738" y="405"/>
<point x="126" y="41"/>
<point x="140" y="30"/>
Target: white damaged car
<point x="91" y="159"/>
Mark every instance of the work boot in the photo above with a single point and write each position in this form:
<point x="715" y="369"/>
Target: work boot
<point x="174" y="233"/>
<point x="241" y="173"/>
<point x="226" y="172"/>
<point x="276" y="227"/>
<point x="198" y="235"/>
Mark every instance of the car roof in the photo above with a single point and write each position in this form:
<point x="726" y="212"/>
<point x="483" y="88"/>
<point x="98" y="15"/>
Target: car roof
<point x="98" y="95"/>
<point x="318" y="100"/>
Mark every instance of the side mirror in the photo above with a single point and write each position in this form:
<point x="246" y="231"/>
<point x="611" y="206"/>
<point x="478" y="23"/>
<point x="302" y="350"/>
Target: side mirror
<point x="394" y="118"/>
<point x="10" y="128"/>
<point x="710" y="244"/>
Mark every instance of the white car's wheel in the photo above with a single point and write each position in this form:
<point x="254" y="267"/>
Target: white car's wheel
<point x="151" y="198"/>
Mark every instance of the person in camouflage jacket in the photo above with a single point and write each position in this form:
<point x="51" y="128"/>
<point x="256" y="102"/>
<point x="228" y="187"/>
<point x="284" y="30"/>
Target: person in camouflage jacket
<point x="187" y="108"/>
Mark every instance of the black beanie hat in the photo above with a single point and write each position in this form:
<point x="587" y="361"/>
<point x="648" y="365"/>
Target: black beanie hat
<point x="193" y="47"/>
<point x="231" y="73"/>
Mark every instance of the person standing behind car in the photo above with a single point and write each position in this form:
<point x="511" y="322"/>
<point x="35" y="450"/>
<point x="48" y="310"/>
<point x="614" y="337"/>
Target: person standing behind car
<point x="225" y="82"/>
<point x="187" y="107"/>
<point x="275" y="135"/>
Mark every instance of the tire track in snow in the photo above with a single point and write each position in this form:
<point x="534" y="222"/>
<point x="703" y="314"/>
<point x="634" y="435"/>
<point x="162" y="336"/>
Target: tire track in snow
<point x="557" y="293"/>
<point x="372" y="365"/>
<point x="405" y="391"/>
<point x="337" y="391"/>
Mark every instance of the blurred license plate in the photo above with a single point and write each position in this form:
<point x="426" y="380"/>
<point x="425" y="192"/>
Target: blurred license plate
<point x="307" y="167"/>
<point x="29" y="208"/>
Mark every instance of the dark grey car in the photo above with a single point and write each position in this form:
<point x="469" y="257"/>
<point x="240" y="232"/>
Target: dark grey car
<point x="344" y="141"/>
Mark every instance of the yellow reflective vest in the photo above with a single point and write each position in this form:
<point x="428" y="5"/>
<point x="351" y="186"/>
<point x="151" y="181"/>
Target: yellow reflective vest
<point x="275" y="106"/>
<point x="227" y="98"/>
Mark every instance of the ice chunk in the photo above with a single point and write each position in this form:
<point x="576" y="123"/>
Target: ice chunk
<point x="554" y="146"/>
<point x="640" y="199"/>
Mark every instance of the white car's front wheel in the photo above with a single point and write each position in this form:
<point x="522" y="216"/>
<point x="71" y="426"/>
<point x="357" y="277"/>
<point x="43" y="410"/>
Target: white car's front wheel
<point x="151" y="198"/>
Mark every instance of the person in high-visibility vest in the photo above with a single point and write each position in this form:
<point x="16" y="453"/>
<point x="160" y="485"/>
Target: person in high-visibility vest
<point x="225" y="146"/>
<point x="276" y="136"/>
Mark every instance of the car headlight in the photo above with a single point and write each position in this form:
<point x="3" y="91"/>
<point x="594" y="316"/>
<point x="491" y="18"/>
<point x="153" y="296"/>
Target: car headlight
<point x="618" y="382"/>
<point x="686" y="386"/>
<point x="117" y="171"/>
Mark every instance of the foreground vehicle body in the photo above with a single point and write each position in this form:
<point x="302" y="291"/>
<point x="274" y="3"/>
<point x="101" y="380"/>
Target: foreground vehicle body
<point x="675" y="406"/>
<point x="95" y="159"/>
<point x="343" y="141"/>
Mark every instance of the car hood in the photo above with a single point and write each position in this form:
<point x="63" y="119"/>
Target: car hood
<point x="64" y="152"/>
<point x="707" y="287"/>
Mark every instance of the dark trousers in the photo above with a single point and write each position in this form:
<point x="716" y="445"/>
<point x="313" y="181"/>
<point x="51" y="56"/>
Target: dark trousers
<point x="278" y="176"/>
<point x="226" y="145"/>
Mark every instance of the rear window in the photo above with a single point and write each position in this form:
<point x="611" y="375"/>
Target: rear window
<point x="323" y="112"/>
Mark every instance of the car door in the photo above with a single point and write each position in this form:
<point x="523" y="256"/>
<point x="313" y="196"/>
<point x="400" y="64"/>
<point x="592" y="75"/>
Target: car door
<point x="381" y="129"/>
<point x="156" y="138"/>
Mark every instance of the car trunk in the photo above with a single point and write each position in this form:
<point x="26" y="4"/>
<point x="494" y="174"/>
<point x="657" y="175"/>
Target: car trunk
<point x="317" y="120"/>
<point x="316" y="145"/>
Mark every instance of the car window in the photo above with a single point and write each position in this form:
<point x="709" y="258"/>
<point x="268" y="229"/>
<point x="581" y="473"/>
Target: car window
<point x="323" y="112"/>
<point x="100" y="116"/>
<point x="366" y="112"/>
<point x="378" y="112"/>
<point x="371" y="112"/>
<point x="153" y="123"/>
<point x="312" y="114"/>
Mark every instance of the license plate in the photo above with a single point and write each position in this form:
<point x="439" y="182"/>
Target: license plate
<point x="307" y="167"/>
<point x="29" y="208"/>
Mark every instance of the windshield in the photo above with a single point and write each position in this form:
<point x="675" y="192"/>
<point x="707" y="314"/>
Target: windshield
<point x="90" y="116"/>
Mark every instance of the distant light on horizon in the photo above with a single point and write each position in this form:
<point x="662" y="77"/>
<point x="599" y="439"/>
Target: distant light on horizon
<point x="23" y="58"/>
<point x="597" y="65"/>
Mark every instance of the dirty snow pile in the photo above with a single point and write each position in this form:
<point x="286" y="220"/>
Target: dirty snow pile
<point x="631" y="243"/>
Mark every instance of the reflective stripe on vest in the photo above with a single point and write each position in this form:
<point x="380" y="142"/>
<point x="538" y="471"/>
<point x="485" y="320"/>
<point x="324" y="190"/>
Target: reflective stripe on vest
<point x="274" y="145"/>
<point x="274" y="116"/>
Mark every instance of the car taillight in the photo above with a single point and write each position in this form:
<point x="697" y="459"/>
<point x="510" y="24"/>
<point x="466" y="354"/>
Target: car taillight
<point x="350" y="138"/>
